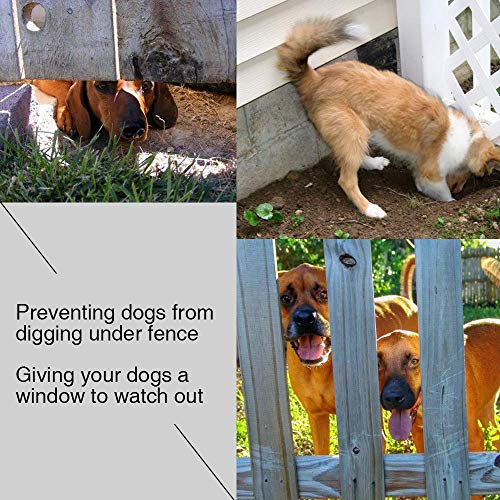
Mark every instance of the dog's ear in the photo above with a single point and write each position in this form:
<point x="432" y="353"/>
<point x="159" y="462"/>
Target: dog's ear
<point x="493" y="160"/>
<point x="77" y="103"/>
<point x="163" y="112"/>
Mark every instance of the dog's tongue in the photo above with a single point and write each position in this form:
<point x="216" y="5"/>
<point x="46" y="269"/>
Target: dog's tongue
<point x="310" y="347"/>
<point x="400" y="424"/>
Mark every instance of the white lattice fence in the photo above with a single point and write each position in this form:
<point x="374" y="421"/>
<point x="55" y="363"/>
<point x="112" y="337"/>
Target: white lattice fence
<point x="425" y="27"/>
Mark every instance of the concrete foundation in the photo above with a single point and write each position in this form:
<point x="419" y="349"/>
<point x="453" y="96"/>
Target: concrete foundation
<point x="274" y="133"/>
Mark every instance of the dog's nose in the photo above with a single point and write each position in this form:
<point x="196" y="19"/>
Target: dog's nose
<point x="392" y="399"/>
<point x="134" y="130"/>
<point x="305" y="316"/>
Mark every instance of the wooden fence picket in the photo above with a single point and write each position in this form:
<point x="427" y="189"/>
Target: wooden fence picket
<point x="262" y="362"/>
<point x="439" y="288"/>
<point x="352" y="319"/>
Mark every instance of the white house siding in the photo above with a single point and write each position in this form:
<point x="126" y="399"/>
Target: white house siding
<point x="264" y="24"/>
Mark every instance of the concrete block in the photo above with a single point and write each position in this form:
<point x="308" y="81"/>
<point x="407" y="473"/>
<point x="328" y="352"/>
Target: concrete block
<point x="16" y="108"/>
<point x="296" y="149"/>
<point x="275" y="135"/>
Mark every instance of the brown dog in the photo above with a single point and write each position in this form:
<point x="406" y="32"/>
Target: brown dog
<point x="125" y="108"/>
<point x="399" y="380"/>
<point x="305" y="318"/>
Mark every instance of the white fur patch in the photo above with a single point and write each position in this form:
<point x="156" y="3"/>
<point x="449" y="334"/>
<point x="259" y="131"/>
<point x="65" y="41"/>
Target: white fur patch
<point x="436" y="190"/>
<point x="375" y="211"/>
<point x="376" y="163"/>
<point x="456" y="145"/>
<point x="379" y="140"/>
<point x="355" y="30"/>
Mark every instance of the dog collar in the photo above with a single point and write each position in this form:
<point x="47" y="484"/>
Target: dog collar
<point x="415" y="407"/>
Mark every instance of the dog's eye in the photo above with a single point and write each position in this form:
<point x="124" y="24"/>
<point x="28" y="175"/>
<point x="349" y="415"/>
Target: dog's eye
<point x="147" y="86"/>
<point x="105" y="87"/>
<point x="323" y="295"/>
<point x="414" y="362"/>
<point x="286" y="299"/>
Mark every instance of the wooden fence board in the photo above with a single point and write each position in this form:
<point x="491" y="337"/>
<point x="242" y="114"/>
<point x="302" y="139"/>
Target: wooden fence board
<point x="439" y="288"/>
<point x="76" y="43"/>
<point x="192" y="44"/>
<point x="352" y="318"/>
<point x="166" y="40"/>
<point x="404" y="475"/>
<point x="9" y="68"/>
<point x="262" y="362"/>
<point x="477" y="288"/>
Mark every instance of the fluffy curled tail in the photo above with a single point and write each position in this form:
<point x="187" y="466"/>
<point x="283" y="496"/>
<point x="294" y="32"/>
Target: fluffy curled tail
<point x="310" y="36"/>
<point x="407" y="272"/>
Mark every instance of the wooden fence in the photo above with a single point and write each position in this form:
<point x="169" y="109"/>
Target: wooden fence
<point x="164" y="40"/>
<point x="477" y="288"/>
<point x="446" y="471"/>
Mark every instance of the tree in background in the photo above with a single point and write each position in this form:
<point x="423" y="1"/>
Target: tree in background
<point x="291" y="252"/>
<point x="387" y="258"/>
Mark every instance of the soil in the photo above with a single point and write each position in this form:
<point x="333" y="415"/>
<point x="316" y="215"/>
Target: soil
<point x="315" y="195"/>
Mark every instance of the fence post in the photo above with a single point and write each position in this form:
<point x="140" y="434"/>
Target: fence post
<point x="262" y="362"/>
<point x="9" y="55"/>
<point x="352" y="319"/>
<point x="424" y="43"/>
<point x="439" y="288"/>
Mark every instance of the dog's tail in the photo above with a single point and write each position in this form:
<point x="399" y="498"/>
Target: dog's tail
<point x="407" y="272"/>
<point x="310" y="36"/>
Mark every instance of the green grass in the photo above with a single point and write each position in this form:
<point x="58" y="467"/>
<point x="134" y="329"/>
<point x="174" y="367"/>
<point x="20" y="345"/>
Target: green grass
<point x="300" y="426"/>
<point x="65" y="173"/>
<point x="471" y="313"/>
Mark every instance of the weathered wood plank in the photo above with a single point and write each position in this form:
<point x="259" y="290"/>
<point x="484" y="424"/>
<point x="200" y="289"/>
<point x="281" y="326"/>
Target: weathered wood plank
<point x="9" y="66"/>
<point x="76" y="42"/>
<point x="262" y="362"/>
<point x="352" y="318"/>
<point x="439" y="288"/>
<point x="404" y="475"/>
<point x="184" y="42"/>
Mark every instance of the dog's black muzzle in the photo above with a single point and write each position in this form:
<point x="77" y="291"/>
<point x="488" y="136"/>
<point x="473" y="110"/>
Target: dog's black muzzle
<point x="306" y="321"/>
<point x="397" y="395"/>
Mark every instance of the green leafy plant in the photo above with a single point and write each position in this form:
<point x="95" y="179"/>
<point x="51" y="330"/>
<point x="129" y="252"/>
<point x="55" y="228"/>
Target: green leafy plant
<point x="491" y="435"/>
<point x="265" y="212"/>
<point x="297" y="219"/>
<point x="493" y="213"/>
<point x="341" y="235"/>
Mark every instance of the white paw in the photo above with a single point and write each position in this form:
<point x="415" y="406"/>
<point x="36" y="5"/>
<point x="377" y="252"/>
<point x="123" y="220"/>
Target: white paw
<point x="375" y="211"/>
<point x="377" y="163"/>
